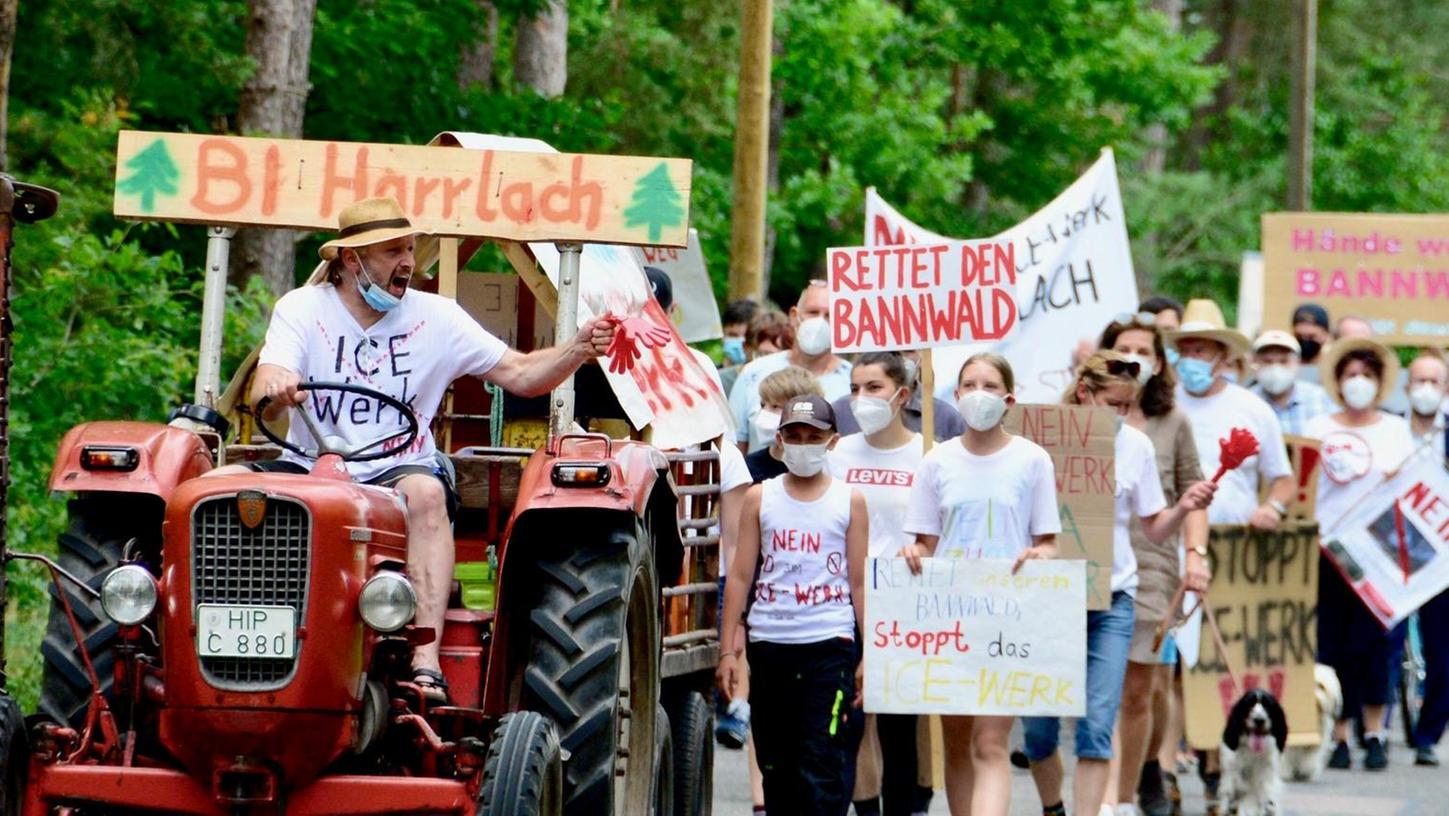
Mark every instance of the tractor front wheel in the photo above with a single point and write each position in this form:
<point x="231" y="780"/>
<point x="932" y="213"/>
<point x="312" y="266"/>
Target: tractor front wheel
<point x="523" y="775"/>
<point x="12" y="756"/>
<point x="593" y="668"/>
<point x="100" y="528"/>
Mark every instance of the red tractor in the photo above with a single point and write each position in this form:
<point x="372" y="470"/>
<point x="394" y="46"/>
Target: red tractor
<point x="241" y="644"/>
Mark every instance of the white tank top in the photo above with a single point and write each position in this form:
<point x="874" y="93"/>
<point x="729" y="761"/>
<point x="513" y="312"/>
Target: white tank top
<point x="802" y="593"/>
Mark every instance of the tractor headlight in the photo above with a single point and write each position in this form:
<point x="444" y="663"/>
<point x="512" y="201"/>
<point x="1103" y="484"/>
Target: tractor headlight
<point x="128" y="594"/>
<point x="387" y="602"/>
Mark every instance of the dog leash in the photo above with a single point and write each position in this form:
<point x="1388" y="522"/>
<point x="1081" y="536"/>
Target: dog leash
<point x="1175" y="619"/>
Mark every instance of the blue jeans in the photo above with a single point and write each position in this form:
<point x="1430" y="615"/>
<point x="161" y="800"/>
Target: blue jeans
<point x="1109" y="639"/>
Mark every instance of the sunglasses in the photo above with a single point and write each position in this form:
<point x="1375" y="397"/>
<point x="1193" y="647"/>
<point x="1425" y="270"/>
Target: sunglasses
<point x="1144" y="319"/>
<point x="1119" y="367"/>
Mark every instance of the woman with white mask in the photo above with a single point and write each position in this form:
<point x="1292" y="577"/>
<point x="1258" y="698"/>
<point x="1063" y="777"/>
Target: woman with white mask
<point x="1109" y="379"/>
<point x="1360" y="446"/>
<point x="988" y="494"/>
<point x="881" y="462"/>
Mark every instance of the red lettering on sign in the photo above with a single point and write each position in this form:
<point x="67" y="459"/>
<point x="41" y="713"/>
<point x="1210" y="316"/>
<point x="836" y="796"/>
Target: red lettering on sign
<point x="271" y="180"/>
<point x="332" y="182"/>
<point x="220" y="161"/>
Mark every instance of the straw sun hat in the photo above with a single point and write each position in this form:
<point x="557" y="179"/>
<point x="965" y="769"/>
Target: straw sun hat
<point x="1202" y="319"/>
<point x="366" y="222"/>
<point x="1338" y="349"/>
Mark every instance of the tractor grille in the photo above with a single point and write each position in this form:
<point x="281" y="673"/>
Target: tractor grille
<point x="264" y="566"/>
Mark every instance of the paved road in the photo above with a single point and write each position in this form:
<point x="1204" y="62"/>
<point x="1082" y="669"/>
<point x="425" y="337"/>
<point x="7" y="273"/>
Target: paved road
<point x="1402" y="790"/>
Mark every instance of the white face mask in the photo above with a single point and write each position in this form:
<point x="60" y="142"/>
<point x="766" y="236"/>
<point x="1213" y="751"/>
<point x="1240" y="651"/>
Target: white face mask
<point x="767" y="422"/>
<point x="982" y="410"/>
<point x="1277" y="378"/>
<point x="1358" y="392"/>
<point x="806" y="460"/>
<point x="812" y="337"/>
<point x="1144" y="367"/>
<point x="1425" y="398"/>
<point x="872" y="413"/>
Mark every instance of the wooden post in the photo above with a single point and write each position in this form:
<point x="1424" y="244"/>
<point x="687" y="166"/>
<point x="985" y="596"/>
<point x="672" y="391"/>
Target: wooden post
<point x="1300" y="126"/>
<point x="928" y="400"/>
<point x="448" y="288"/>
<point x="752" y="133"/>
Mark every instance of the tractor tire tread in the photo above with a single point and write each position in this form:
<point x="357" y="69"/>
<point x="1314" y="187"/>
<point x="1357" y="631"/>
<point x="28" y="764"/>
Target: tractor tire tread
<point x="692" y="721"/>
<point x="515" y="770"/>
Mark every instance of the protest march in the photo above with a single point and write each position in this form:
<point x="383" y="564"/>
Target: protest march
<point x="812" y="408"/>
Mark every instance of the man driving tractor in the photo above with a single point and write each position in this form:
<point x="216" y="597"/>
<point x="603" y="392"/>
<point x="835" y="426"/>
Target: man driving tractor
<point x="362" y="325"/>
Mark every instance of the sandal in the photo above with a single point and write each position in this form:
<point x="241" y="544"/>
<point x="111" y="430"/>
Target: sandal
<point x="432" y="684"/>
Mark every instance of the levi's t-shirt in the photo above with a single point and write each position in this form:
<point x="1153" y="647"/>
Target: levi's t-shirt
<point x="985" y="506"/>
<point x="884" y="477"/>
<point x="412" y="354"/>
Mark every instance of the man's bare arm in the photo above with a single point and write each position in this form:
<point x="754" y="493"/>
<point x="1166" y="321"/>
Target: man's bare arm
<point x="281" y="384"/>
<point x="538" y="372"/>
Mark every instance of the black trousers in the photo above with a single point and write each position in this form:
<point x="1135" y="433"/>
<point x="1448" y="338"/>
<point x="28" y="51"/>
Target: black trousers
<point x="899" y="792"/>
<point x="806" y="731"/>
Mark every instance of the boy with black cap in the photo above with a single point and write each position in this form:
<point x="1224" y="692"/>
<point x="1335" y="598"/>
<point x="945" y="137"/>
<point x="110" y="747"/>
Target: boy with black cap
<point x="800" y="556"/>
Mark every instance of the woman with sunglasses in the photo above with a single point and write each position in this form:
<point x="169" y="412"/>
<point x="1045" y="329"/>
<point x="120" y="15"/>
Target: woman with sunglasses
<point x="1150" y="674"/>
<point x="1109" y="379"/>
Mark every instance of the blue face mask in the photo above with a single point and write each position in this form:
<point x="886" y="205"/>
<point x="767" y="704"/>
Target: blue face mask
<point x="734" y="350"/>
<point x="1172" y="356"/>
<point x="375" y="296"/>
<point x="1196" y="375"/>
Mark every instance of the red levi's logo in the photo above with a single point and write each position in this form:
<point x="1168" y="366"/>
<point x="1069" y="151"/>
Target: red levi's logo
<point x="879" y="476"/>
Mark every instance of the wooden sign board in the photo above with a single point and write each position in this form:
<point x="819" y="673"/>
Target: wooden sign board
<point x="187" y="177"/>
<point x="1265" y="598"/>
<point x="1392" y="270"/>
<point x="1082" y="443"/>
<point x="1303" y="455"/>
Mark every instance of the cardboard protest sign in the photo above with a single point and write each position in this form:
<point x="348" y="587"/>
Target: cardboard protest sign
<point x="1392" y="270"/>
<point x="696" y="312"/>
<point x="492" y="300"/>
<point x="968" y="637"/>
<point x="520" y="196"/>
<point x="1082" y="444"/>
<point x="1393" y="547"/>
<point x="1303" y="455"/>
<point x="1073" y="275"/>
<point x="1265" y="598"/>
<point x="921" y="296"/>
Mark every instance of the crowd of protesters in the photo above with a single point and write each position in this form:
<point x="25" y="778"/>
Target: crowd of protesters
<point x="1179" y="380"/>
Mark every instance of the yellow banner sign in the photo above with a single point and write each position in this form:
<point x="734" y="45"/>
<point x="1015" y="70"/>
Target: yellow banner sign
<point x="516" y="196"/>
<point x="1392" y="270"/>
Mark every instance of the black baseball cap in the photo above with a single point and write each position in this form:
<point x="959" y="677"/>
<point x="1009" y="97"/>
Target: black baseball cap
<point x="1311" y="313"/>
<point x="660" y="286"/>
<point x="808" y="409"/>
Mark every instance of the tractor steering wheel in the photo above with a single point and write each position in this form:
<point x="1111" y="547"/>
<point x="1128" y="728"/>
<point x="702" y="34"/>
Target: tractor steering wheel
<point x="337" y="445"/>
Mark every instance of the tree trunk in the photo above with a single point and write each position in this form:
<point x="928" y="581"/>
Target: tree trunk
<point x="1233" y="37"/>
<point x="541" y="50"/>
<point x="8" y="10"/>
<point x="772" y="161"/>
<point x="476" y="65"/>
<point x="273" y="102"/>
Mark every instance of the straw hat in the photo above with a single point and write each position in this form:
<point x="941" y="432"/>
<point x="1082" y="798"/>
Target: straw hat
<point x="366" y="222"/>
<point x="1338" y="349"/>
<point x="1203" y="319"/>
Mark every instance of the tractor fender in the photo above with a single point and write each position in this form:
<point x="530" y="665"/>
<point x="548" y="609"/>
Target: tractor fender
<point x="167" y="457"/>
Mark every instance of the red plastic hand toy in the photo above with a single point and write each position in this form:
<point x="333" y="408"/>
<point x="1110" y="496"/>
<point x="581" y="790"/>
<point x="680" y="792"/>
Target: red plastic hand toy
<point x="1234" y="449"/>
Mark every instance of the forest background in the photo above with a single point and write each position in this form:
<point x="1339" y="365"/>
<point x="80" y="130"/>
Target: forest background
<point x="965" y="115"/>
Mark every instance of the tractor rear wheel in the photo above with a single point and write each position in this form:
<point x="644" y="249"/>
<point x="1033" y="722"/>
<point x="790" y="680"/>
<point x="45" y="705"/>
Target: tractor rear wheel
<point x="663" y="766"/>
<point x="692" y="724"/>
<point x="89" y="549"/>
<point x="593" y="668"/>
<point x="523" y="775"/>
<point x="13" y="757"/>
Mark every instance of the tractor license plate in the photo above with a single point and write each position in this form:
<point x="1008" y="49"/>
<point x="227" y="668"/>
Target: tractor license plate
<point x="246" y="631"/>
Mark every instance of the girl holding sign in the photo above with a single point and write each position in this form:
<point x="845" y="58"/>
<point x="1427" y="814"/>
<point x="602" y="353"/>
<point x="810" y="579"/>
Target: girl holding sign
<point x="988" y="494"/>
<point x="800" y="551"/>
<point x="1109" y="379"/>
<point x="1149" y="674"/>
<point x="881" y="462"/>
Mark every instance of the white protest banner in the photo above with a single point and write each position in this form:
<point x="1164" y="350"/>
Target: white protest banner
<point x="696" y="312"/>
<point x="1074" y="275"/>
<point x="1393" y="547"/>
<point x="968" y="637"/>
<point x="921" y="295"/>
